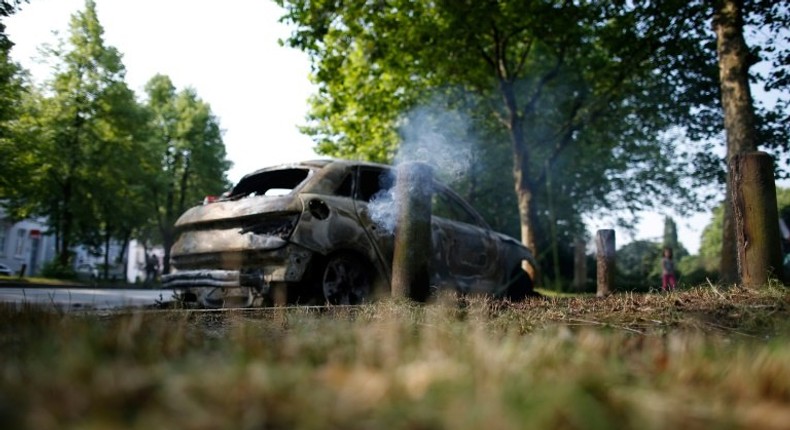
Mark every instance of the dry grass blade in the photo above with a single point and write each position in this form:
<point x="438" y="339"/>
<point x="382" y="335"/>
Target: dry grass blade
<point x="697" y="359"/>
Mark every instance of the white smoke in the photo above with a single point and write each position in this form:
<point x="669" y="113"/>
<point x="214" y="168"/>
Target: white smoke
<point x="432" y="135"/>
<point x="383" y="210"/>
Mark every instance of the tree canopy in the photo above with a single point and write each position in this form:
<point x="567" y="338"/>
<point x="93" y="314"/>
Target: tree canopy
<point x="585" y="94"/>
<point x="597" y="101"/>
<point x="186" y="143"/>
<point x="96" y="163"/>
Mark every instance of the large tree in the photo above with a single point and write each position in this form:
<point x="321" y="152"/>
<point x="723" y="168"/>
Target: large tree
<point x="734" y="63"/>
<point x="570" y="84"/>
<point x="73" y="133"/>
<point x="186" y="142"/>
<point x="745" y="131"/>
<point x="11" y="93"/>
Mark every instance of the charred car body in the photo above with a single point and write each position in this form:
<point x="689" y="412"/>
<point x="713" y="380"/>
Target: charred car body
<point x="304" y="233"/>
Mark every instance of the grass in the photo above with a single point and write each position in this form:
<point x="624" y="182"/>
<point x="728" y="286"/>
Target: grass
<point x="702" y="358"/>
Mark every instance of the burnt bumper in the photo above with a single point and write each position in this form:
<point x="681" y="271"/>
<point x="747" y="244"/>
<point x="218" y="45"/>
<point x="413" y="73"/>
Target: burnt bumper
<point x="203" y="278"/>
<point x="256" y="269"/>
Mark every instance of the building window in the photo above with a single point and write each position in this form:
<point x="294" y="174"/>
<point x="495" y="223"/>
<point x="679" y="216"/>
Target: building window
<point x="20" y="242"/>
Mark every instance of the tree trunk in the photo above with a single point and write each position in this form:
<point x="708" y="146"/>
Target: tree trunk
<point x="756" y="219"/>
<point x="555" y="251"/>
<point x="728" y="263"/>
<point x="127" y="237"/>
<point x="524" y="187"/>
<point x="67" y="221"/>
<point x="736" y="100"/>
<point x="107" y="239"/>
<point x="605" y="254"/>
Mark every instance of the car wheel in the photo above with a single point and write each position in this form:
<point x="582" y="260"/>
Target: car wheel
<point x="519" y="285"/>
<point x="346" y="280"/>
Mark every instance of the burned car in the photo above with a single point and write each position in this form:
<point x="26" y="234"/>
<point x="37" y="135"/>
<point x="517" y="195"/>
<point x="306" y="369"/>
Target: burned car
<point x="305" y="233"/>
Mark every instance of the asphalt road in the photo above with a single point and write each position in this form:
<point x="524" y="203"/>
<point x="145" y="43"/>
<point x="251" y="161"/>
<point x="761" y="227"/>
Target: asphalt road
<point x="85" y="298"/>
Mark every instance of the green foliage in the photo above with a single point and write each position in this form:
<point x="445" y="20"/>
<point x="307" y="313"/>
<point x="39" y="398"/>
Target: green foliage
<point x="54" y="269"/>
<point x="12" y="88"/>
<point x="69" y="137"/>
<point x="7" y="7"/>
<point x="692" y="270"/>
<point x="711" y="241"/>
<point x="637" y="264"/>
<point x="97" y="164"/>
<point x="766" y="22"/>
<point x="187" y="158"/>
<point x="575" y="99"/>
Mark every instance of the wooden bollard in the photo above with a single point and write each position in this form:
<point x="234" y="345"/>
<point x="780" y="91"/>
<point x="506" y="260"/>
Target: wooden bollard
<point x="605" y="244"/>
<point x="412" y="251"/>
<point x="756" y="218"/>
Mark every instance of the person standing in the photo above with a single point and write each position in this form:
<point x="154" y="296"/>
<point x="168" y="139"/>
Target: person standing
<point x="667" y="270"/>
<point x="151" y="267"/>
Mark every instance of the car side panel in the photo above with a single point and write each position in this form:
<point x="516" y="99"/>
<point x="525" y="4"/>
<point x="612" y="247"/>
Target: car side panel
<point x="465" y="255"/>
<point x="329" y="224"/>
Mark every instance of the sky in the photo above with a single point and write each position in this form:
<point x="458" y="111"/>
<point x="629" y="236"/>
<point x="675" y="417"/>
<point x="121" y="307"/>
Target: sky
<point x="229" y="53"/>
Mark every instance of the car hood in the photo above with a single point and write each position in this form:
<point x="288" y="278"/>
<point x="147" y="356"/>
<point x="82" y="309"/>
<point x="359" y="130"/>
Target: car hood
<point x="243" y="208"/>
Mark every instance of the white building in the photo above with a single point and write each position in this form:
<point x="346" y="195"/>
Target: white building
<point x="24" y="244"/>
<point x="134" y="260"/>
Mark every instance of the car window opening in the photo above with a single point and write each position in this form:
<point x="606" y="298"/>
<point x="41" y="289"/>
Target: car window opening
<point x="373" y="182"/>
<point x="271" y="183"/>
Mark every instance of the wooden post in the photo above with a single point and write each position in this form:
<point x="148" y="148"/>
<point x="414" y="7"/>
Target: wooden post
<point x="756" y="218"/>
<point x="605" y="244"/>
<point x="579" y="264"/>
<point x="413" y="191"/>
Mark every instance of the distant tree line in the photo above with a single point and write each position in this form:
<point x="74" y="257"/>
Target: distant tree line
<point x="98" y="162"/>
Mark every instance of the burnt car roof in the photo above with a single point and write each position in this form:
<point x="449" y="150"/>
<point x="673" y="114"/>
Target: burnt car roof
<point x="318" y="164"/>
<point x="313" y="182"/>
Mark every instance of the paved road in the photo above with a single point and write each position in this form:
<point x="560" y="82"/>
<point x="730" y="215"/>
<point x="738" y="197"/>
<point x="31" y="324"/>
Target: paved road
<point x="84" y="298"/>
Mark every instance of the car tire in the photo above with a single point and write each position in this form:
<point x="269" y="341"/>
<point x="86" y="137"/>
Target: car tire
<point x="519" y="285"/>
<point x="346" y="279"/>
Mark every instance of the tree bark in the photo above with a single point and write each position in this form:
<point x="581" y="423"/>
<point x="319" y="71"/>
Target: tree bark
<point x="521" y="171"/>
<point x="66" y="226"/>
<point x="756" y="219"/>
<point x="736" y="100"/>
<point x="605" y="245"/>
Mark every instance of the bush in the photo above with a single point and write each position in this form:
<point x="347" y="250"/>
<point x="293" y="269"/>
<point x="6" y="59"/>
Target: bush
<point x="55" y="269"/>
<point x="691" y="271"/>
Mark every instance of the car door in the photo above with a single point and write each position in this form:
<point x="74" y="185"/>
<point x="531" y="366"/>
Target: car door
<point x="464" y="251"/>
<point x="464" y="248"/>
<point x="375" y="208"/>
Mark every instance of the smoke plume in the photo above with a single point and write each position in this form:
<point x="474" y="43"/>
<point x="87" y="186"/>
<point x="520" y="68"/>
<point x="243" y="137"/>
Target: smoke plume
<point x="432" y="135"/>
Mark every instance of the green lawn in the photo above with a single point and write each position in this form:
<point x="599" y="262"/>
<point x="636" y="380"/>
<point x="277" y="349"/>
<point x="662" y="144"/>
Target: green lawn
<point x="704" y="358"/>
